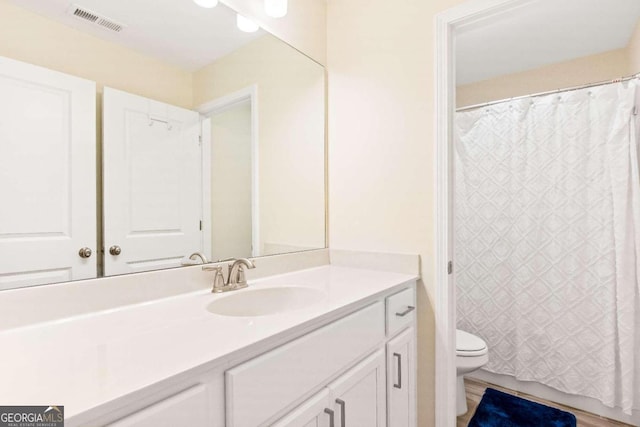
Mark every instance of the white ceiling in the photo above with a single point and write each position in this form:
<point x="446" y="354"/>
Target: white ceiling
<point x="176" y="31"/>
<point x="543" y="32"/>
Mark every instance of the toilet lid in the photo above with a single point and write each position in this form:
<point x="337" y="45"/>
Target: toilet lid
<point x="468" y="344"/>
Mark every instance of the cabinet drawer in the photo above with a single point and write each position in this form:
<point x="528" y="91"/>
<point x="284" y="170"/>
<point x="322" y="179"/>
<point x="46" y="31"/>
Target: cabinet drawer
<point x="400" y="310"/>
<point x="189" y="407"/>
<point x="258" y="390"/>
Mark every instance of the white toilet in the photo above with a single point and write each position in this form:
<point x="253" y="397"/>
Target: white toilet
<point x="471" y="354"/>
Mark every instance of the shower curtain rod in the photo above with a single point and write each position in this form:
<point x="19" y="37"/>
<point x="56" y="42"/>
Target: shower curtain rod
<point x="549" y="92"/>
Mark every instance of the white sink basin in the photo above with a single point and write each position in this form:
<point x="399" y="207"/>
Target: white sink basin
<point x="262" y="302"/>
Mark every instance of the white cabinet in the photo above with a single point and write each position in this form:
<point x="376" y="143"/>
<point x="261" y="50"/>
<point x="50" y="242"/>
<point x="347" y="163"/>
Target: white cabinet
<point x="314" y="412"/>
<point x="401" y="311"/>
<point x="358" y="396"/>
<point x="401" y="379"/>
<point x="187" y="408"/>
<point x="261" y="389"/>
<point x="346" y="373"/>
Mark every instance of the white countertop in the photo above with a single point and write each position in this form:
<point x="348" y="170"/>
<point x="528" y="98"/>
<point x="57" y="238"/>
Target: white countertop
<point x="86" y="361"/>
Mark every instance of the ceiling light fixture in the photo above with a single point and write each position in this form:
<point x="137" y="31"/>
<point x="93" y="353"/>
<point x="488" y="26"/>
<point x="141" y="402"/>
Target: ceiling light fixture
<point x="246" y="24"/>
<point x="206" y="3"/>
<point x="275" y="8"/>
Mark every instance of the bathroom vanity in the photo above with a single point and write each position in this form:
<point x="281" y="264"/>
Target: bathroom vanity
<point x="331" y="346"/>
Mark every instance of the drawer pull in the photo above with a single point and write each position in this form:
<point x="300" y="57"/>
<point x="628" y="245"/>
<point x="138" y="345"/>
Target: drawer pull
<point x="409" y="309"/>
<point x="399" y="360"/>
<point x="343" y="411"/>
<point x="331" y="417"/>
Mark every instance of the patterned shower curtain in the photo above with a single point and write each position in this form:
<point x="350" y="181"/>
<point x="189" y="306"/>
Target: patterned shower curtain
<point x="547" y="222"/>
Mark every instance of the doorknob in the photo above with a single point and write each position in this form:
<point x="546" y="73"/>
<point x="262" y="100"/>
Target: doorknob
<point x="115" y="250"/>
<point x="85" y="252"/>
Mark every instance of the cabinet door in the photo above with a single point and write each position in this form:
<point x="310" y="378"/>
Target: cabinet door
<point x="358" y="396"/>
<point x="152" y="183"/>
<point x="47" y="176"/>
<point x="401" y="379"/>
<point x="315" y="412"/>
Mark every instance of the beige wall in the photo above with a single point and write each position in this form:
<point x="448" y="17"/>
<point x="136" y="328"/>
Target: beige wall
<point x="381" y="143"/>
<point x="634" y="51"/>
<point x="304" y="27"/>
<point x="290" y="136"/>
<point x="231" y="223"/>
<point x="595" y="68"/>
<point x="32" y="38"/>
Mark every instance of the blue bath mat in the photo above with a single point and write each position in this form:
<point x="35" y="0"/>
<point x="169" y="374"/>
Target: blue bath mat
<point x="499" y="409"/>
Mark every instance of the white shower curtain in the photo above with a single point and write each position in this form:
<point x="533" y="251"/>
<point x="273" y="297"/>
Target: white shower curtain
<point x="547" y="222"/>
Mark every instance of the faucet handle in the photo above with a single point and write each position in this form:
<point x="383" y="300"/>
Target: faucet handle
<point x="218" y="278"/>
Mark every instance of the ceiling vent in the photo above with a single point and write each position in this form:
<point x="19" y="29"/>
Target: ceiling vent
<point x="95" y="18"/>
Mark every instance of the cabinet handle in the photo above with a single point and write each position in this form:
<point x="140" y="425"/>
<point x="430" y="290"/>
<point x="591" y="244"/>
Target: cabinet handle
<point x="331" y="417"/>
<point x="343" y="411"/>
<point x="409" y="309"/>
<point x="399" y="361"/>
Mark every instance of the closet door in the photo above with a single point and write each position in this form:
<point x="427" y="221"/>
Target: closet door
<point x="47" y="176"/>
<point x="152" y="183"/>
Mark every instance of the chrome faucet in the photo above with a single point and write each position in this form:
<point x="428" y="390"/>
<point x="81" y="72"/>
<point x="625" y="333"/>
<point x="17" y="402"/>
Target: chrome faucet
<point x="200" y="255"/>
<point x="193" y="256"/>
<point x="235" y="279"/>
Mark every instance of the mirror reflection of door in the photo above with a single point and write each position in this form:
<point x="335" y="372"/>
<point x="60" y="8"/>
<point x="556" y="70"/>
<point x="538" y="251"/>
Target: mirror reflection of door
<point x="47" y="176"/>
<point x="231" y="182"/>
<point x="152" y="183"/>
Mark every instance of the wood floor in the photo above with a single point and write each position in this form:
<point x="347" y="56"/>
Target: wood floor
<point x="475" y="390"/>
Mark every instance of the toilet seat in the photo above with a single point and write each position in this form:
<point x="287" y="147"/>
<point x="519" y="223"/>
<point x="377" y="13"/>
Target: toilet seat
<point x="469" y="345"/>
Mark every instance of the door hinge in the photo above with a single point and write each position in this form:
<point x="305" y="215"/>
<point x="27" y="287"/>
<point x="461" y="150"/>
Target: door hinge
<point x="200" y="225"/>
<point x="199" y="139"/>
<point x="450" y="267"/>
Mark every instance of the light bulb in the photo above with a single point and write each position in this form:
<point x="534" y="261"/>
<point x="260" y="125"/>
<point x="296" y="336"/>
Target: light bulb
<point x="206" y="3"/>
<point x="246" y="24"/>
<point x="275" y="8"/>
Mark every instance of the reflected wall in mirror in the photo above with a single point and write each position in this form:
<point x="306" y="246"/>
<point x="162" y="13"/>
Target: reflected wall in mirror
<point x="207" y="139"/>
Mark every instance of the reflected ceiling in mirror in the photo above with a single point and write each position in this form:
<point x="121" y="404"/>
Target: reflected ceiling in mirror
<point x="208" y="140"/>
<point x="177" y="32"/>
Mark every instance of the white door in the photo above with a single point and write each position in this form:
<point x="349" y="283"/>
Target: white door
<point x="401" y="371"/>
<point x="314" y="412"/>
<point x="47" y="176"/>
<point x="358" y="397"/>
<point x="152" y="183"/>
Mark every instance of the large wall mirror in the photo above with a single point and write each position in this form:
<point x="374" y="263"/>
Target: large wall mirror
<point x="134" y="134"/>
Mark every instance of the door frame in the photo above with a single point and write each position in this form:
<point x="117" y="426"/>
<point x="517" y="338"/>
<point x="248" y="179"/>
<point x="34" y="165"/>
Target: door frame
<point x="206" y="110"/>
<point x="447" y="23"/>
